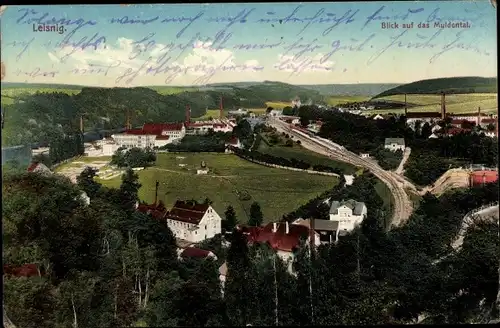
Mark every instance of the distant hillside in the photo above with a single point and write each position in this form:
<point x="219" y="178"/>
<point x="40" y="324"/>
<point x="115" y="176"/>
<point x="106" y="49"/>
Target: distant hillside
<point x="362" y="89"/>
<point x="40" y="85"/>
<point x="35" y="117"/>
<point x="451" y="85"/>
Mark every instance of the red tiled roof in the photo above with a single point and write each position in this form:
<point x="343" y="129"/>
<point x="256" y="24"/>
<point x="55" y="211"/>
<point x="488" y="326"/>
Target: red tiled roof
<point x="158" y="128"/>
<point x="157" y="211"/>
<point x="480" y="177"/>
<point x="195" y="252"/>
<point x="233" y="141"/>
<point x="454" y="131"/>
<point x="488" y="120"/>
<point x="279" y="240"/>
<point x="459" y="121"/>
<point x="26" y="270"/>
<point x="187" y="212"/>
<point x="32" y="166"/>
<point x="138" y="132"/>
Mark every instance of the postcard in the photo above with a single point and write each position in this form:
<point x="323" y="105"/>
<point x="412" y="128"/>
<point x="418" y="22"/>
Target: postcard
<point x="229" y="164"/>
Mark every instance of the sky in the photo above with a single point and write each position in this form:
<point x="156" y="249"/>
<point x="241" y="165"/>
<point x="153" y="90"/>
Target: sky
<point x="196" y="44"/>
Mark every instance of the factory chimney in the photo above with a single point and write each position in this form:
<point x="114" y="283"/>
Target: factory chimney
<point x="443" y="106"/>
<point x="221" y="109"/>
<point x="406" y="107"/>
<point x="188" y="114"/>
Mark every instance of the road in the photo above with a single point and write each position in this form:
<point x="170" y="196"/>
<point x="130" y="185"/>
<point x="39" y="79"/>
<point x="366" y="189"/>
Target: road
<point x="406" y="155"/>
<point x="403" y="207"/>
<point x="485" y="213"/>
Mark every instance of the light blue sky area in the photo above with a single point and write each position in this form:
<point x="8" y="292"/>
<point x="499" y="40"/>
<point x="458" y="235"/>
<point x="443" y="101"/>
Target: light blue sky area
<point x="316" y="43"/>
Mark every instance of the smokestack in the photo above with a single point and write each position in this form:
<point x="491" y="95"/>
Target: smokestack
<point x="156" y="192"/>
<point x="275" y="226"/>
<point x="443" y="106"/>
<point x="479" y="116"/>
<point x="406" y="107"/>
<point x="287" y="228"/>
<point x="221" y="113"/>
<point x="188" y="114"/>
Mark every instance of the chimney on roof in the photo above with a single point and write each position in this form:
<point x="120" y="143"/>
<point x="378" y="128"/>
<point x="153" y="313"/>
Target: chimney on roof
<point x="443" y="106"/>
<point x="287" y="228"/>
<point x="275" y="227"/>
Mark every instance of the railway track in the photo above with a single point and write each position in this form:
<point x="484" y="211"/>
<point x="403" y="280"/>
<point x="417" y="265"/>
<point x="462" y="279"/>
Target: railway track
<point x="403" y="207"/>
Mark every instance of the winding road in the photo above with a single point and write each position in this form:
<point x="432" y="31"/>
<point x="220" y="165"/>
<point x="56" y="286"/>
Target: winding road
<point x="403" y="206"/>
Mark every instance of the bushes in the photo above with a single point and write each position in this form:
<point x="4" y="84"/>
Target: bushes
<point x="388" y="160"/>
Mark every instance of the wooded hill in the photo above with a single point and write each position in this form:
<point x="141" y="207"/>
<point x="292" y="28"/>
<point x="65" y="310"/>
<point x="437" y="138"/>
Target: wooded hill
<point x="450" y="85"/>
<point x="32" y="118"/>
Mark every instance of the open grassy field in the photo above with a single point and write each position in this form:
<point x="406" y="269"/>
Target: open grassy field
<point x="166" y="90"/>
<point x="336" y="100"/>
<point x="277" y="191"/>
<point x="459" y="103"/>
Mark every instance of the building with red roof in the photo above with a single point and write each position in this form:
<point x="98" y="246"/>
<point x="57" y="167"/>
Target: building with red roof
<point x="26" y="270"/>
<point x="234" y="142"/>
<point x="478" y="178"/>
<point x="283" y="237"/>
<point x="37" y="167"/>
<point x="188" y="220"/>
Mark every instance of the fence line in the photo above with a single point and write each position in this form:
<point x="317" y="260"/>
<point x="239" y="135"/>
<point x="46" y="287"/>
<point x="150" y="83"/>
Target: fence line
<point x="290" y="168"/>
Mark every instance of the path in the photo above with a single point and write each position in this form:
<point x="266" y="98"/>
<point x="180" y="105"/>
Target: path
<point x="406" y="155"/>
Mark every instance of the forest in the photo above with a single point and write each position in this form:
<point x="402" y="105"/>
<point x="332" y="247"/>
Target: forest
<point x="34" y="118"/>
<point x="106" y="265"/>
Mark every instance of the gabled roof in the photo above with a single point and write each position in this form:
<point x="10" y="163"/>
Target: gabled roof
<point x="423" y="115"/>
<point x="320" y="225"/>
<point x="187" y="212"/>
<point x="398" y="141"/>
<point x="356" y="207"/>
<point x="195" y="252"/>
<point x="279" y="240"/>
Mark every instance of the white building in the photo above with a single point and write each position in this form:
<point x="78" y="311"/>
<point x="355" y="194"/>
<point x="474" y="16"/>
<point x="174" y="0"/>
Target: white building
<point x="233" y="142"/>
<point x="216" y="125"/>
<point x="276" y="112"/>
<point x="394" y="144"/>
<point x="188" y="221"/>
<point x="296" y="103"/>
<point x="348" y="214"/>
<point x="378" y="117"/>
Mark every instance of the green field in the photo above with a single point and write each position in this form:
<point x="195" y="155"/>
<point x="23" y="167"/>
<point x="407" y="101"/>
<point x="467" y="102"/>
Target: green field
<point x="337" y="100"/>
<point x="303" y="154"/>
<point x="13" y="92"/>
<point x="278" y="191"/>
<point x="455" y="103"/>
<point x="214" y="113"/>
<point x="278" y="104"/>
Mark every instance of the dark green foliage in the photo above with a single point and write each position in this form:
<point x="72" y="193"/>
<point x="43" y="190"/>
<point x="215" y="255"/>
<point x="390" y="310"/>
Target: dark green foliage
<point x="87" y="183"/>
<point x="230" y="216"/>
<point x="256" y="217"/>
<point x="65" y="147"/>
<point x="388" y="160"/>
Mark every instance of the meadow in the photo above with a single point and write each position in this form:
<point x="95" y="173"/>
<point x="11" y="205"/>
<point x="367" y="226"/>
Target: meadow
<point x="277" y="191"/>
<point x="337" y="100"/>
<point x="457" y="103"/>
<point x="214" y="113"/>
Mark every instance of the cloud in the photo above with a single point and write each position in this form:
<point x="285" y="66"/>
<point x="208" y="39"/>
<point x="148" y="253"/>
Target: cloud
<point x="201" y="58"/>
<point x="54" y="58"/>
<point x="304" y="64"/>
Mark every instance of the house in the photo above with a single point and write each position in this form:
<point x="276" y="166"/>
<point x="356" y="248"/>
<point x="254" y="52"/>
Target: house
<point x="296" y="102"/>
<point x="276" y="112"/>
<point x="195" y="253"/>
<point x="423" y="117"/>
<point x="394" y="144"/>
<point x="283" y="237"/>
<point x="483" y="177"/>
<point x="348" y="214"/>
<point x="203" y="127"/>
<point x="234" y="142"/>
<point x="37" y="167"/>
<point x="364" y="155"/>
<point x="349" y="179"/>
<point x="188" y="221"/>
<point x="378" y="117"/>
<point x="327" y="230"/>
<point x="238" y="112"/>
<point x="26" y="270"/>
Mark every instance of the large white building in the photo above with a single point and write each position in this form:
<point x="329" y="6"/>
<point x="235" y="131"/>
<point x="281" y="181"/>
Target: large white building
<point x="203" y="127"/>
<point x="348" y="214"/>
<point x="151" y="135"/>
<point x="188" y="221"/>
